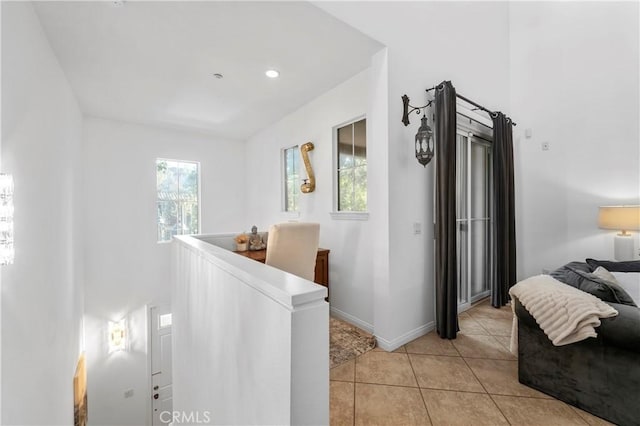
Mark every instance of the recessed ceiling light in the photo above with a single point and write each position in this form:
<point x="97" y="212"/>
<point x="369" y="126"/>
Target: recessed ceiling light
<point x="272" y="73"/>
<point x="218" y="75"/>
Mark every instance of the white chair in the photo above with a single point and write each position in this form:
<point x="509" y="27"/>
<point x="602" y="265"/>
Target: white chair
<point x="293" y="247"/>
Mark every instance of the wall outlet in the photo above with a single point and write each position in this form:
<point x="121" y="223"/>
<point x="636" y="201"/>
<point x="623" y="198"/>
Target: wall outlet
<point x="128" y="393"/>
<point x="545" y="146"/>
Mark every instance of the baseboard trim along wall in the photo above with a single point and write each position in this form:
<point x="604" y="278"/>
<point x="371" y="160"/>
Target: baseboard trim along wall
<point x="352" y="320"/>
<point x="392" y="345"/>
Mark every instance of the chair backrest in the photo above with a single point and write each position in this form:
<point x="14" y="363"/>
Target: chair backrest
<point x="293" y="247"/>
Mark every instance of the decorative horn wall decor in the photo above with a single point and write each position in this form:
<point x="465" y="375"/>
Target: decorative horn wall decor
<point x="309" y="184"/>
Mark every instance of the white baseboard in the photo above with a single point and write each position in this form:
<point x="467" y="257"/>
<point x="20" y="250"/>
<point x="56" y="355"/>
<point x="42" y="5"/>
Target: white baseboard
<point x="392" y="345"/>
<point x="387" y="345"/>
<point x="352" y="320"/>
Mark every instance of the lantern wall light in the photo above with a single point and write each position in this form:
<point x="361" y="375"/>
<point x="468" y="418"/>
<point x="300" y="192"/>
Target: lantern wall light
<point x="424" y="137"/>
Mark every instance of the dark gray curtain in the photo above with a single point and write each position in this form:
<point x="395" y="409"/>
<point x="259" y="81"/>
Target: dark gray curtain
<point x="504" y="210"/>
<point x="445" y="214"/>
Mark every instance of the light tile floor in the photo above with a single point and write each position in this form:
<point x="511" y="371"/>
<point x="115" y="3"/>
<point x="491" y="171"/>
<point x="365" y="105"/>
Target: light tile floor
<point x="472" y="380"/>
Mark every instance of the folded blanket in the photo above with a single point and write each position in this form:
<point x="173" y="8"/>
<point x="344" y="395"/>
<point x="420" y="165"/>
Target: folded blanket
<point x="564" y="313"/>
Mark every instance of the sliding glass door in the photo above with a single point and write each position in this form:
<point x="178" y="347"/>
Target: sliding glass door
<point x="473" y="215"/>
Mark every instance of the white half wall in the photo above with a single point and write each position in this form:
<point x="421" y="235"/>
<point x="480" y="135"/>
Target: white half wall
<point x="350" y="241"/>
<point x="251" y="342"/>
<point x="574" y="83"/>
<point x="125" y="267"/>
<point x="42" y="292"/>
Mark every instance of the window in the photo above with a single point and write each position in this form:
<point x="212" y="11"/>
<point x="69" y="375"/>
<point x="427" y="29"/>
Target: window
<point x="178" y="186"/>
<point x="291" y="166"/>
<point x="352" y="167"/>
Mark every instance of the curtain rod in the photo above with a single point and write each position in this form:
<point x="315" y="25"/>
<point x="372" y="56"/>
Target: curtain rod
<point x="477" y="105"/>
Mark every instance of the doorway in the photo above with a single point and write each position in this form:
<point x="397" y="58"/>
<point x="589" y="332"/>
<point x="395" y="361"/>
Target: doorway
<point x="161" y="371"/>
<point x="474" y="216"/>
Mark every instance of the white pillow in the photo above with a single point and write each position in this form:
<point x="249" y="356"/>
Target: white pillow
<point x="604" y="274"/>
<point x="630" y="282"/>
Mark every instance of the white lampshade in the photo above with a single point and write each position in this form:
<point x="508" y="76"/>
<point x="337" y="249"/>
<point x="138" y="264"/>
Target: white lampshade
<point x="619" y="218"/>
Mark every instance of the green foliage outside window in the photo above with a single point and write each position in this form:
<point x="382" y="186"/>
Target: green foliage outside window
<point x="291" y="179"/>
<point x="177" y="200"/>
<point x="352" y="167"/>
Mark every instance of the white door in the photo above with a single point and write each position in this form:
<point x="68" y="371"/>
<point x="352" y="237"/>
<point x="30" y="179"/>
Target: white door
<point x="161" y="377"/>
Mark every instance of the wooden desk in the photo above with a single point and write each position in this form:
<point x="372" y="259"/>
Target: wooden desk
<point x="322" y="263"/>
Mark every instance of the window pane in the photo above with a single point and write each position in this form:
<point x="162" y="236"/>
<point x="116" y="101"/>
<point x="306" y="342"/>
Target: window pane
<point x="360" y="188"/>
<point x="167" y="220"/>
<point x="167" y="178"/>
<point x="479" y="181"/>
<point x="291" y="178"/>
<point x="345" y="190"/>
<point x="345" y="147"/>
<point x="188" y="185"/>
<point x="461" y="177"/>
<point x="360" y="142"/>
<point x="479" y="256"/>
<point x="462" y="236"/>
<point x="188" y="218"/>
<point x="352" y="167"/>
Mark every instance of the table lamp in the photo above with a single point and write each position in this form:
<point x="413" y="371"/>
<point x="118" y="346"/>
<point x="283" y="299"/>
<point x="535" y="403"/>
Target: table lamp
<point x="623" y="219"/>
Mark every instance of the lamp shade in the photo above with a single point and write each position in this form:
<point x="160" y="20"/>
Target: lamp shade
<point x="619" y="218"/>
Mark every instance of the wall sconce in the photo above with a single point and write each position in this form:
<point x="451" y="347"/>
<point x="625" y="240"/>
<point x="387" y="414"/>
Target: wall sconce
<point x="620" y="218"/>
<point x="6" y="219"/>
<point x="117" y="337"/>
<point x="424" y="137"/>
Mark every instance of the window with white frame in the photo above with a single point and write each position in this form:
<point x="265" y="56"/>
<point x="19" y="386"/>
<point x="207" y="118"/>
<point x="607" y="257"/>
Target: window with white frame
<point x="351" y="146"/>
<point x="291" y="178"/>
<point x="178" y="193"/>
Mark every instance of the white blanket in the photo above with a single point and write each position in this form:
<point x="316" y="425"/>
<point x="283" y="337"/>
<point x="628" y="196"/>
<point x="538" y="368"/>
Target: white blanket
<point x="564" y="313"/>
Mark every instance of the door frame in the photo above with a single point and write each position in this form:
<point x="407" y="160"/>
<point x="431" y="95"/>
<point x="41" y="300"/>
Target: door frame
<point x="476" y="129"/>
<point x="149" y="392"/>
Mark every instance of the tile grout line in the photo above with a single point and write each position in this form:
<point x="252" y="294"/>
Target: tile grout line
<point x="482" y="384"/>
<point x="424" y="402"/>
<point x="355" y="366"/>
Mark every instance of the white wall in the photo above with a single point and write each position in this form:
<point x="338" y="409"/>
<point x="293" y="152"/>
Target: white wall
<point x="427" y="42"/>
<point x="350" y="241"/>
<point x="42" y="292"/>
<point x="574" y="74"/>
<point x="125" y="267"/>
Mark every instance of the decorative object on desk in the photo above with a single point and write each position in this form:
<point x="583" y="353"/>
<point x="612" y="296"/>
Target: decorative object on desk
<point x="309" y="184"/>
<point x="623" y="219"/>
<point x="255" y="240"/>
<point x="241" y="242"/>
<point x="347" y="341"/>
<point x="424" y="137"/>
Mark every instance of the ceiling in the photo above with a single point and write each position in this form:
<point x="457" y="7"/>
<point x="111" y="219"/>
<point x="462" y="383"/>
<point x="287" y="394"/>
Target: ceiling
<point x="153" y="62"/>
